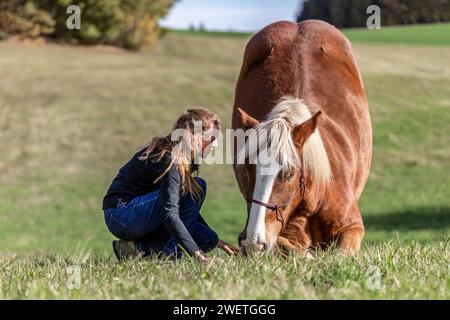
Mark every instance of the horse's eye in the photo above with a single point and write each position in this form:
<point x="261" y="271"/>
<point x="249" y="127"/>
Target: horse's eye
<point x="287" y="177"/>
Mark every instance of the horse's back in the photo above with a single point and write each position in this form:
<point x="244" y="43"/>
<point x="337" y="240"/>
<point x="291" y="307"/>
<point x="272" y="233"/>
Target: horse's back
<point x="314" y="61"/>
<point x="311" y="60"/>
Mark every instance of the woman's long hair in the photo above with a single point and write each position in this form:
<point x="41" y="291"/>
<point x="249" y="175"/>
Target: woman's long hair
<point x="182" y="154"/>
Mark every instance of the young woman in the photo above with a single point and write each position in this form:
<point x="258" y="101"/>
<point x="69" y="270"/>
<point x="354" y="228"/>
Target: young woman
<point x="153" y="204"/>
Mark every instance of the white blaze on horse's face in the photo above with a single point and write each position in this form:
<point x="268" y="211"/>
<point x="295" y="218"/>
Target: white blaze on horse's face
<point x="265" y="177"/>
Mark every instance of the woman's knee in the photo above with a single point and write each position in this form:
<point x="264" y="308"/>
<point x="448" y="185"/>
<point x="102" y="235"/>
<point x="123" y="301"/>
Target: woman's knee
<point x="210" y="240"/>
<point x="202" y="183"/>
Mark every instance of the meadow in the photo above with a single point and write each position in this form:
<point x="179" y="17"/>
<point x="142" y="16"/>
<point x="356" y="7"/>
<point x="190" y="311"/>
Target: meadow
<point x="71" y="116"/>
<point x="434" y="34"/>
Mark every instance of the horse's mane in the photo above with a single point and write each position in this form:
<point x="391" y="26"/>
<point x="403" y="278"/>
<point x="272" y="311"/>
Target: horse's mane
<point x="287" y="114"/>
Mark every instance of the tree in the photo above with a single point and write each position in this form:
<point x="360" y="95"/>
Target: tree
<point x="24" y="19"/>
<point x="352" y="13"/>
<point x="127" y="23"/>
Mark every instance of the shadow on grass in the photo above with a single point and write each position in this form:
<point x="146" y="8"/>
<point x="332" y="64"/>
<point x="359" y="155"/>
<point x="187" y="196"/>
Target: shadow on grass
<point x="410" y="219"/>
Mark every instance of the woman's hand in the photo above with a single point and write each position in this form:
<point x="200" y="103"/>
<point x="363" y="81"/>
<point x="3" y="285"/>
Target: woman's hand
<point x="228" y="248"/>
<point x="201" y="256"/>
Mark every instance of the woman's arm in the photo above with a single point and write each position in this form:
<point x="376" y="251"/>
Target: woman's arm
<point x="170" y="195"/>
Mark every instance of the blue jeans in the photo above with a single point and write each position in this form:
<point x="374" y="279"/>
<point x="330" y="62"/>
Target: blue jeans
<point x="141" y="220"/>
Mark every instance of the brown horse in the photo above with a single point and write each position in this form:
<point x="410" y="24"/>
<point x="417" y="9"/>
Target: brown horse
<point x="289" y="72"/>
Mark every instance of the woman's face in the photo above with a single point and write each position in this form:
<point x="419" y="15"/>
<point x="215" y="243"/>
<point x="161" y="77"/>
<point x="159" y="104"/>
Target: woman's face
<point x="209" y="140"/>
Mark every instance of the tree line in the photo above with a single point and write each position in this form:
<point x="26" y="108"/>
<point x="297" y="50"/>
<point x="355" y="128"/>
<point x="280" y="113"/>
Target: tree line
<point x="352" y="13"/>
<point x="127" y="23"/>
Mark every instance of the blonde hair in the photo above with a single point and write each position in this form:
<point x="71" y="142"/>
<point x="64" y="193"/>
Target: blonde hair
<point x="182" y="157"/>
<point x="288" y="113"/>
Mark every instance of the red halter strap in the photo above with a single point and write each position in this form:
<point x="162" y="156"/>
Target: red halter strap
<point x="278" y="207"/>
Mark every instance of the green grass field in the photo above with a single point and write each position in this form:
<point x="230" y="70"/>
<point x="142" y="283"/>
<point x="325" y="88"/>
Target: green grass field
<point x="425" y="34"/>
<point x="71" y="116"/>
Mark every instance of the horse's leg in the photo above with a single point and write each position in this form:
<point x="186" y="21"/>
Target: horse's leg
<point x="343" y="227"/>
<point x="295" y="237"/>
<point x="349" y="239"/>
<point x="349" y="236"/>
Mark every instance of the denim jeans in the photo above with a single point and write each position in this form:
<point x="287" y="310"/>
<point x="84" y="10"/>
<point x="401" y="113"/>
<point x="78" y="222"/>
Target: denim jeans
<point x="141" y="220"/>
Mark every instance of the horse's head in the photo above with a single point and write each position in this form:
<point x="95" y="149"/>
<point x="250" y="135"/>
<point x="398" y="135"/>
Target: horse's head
<point x="273" y="174"/>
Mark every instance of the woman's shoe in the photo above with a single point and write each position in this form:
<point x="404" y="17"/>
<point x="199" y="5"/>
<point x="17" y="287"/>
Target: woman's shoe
<point x="125" y="249"/>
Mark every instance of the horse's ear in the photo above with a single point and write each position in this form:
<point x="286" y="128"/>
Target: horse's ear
<point x="245" y="119"/>
<point x="303" y="131"/>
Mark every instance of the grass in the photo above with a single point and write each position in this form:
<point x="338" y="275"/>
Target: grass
<point x="426" y="34"/>
<point x="437" y="34"/>
<point x="391" y="270"/>
<point x="208" y="33"/>
<point x="71" y="116"/>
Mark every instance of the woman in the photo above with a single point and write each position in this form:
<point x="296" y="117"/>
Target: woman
<point x="153" y="204"/>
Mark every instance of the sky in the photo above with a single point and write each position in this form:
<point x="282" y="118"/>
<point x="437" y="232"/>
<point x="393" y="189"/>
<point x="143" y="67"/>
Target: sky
<point x="226" y="15"/>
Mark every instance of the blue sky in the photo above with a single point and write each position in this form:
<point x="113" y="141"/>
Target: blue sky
<point x="243" y="15"/>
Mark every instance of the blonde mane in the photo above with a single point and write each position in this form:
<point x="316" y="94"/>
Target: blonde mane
<point x="285" y="116"/>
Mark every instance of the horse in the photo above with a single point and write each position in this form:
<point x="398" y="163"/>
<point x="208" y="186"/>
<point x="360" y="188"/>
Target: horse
<point x="301" y="83"/>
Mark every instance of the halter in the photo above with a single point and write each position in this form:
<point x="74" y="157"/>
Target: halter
<point x="278" y="207"/>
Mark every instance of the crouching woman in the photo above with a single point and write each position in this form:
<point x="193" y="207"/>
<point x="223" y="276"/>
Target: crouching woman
<point x="153" y="204"/>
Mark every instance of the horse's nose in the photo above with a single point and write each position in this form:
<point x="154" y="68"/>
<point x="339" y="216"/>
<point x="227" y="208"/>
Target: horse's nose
<point x="249" y="247"/>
